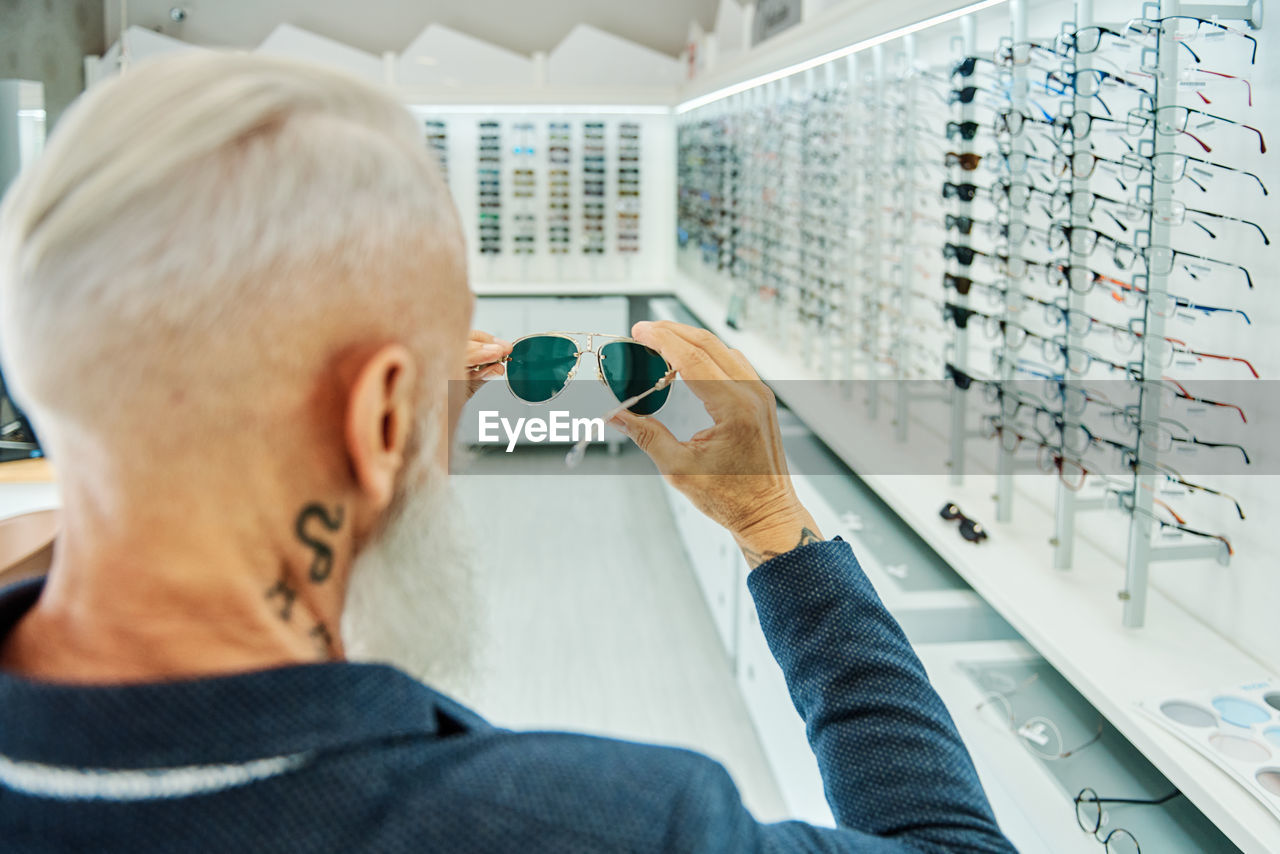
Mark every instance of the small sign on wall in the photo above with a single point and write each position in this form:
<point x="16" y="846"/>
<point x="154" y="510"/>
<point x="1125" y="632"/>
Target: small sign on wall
<point x="772" y="17"/>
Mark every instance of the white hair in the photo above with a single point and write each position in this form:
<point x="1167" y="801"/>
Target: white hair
<point x="195" y="223"/>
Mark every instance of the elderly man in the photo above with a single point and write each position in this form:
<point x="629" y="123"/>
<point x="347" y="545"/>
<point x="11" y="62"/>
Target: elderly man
<point x="233" y="298"/>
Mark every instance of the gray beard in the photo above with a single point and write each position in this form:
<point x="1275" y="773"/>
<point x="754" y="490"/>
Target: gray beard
<point x="412" y="599"/>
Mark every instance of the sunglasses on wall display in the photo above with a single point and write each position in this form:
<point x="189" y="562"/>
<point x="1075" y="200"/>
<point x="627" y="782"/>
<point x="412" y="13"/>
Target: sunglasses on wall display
<point x="962" y="130"/>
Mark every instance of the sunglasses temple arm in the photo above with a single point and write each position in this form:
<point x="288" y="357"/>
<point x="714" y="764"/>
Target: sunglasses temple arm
<point x="477" y="368"/>
<point x="579" y="449"/>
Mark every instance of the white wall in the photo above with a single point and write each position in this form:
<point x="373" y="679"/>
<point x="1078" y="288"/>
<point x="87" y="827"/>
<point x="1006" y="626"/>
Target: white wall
<point x="388" y="25"/>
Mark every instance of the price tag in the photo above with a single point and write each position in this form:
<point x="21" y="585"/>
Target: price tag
<point x="1186" y="316"/>
<point x="1187" y="450"/>
<point x="1173" y="491"/>
<point x="897" y="570"/>
<point x="1186" y="363"/>
<point x="1200" y="267"/>
<point x="1191" y="84"/>
<point x="1203" y="173"/>
<point x="1206" y="124"/>
<point x="1035" y="733"/>
<point x="1169" y="533"/>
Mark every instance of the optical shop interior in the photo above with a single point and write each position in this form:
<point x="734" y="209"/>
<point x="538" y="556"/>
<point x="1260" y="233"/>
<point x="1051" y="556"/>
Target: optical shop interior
<point x="720" y="425"/>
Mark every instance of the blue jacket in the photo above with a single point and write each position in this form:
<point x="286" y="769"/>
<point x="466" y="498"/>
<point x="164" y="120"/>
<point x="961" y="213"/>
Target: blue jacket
<point x="343" y="757"/>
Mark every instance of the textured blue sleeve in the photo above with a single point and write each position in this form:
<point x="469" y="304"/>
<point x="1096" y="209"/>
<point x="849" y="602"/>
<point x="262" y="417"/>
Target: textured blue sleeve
<point x="893" y="765"/>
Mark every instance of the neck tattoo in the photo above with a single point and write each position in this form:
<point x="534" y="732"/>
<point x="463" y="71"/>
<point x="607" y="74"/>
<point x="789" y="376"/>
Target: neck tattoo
<point x="322" y="560"/>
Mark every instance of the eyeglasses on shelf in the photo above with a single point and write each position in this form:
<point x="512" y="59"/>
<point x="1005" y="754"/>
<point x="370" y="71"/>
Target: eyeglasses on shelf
<point x="1171" y="167"/>
<point x="1162" y="434"/>
<point x="1171" y="391"/>
<point x="1090" y="817"/>
<point x="1174" y="119"/>
<point x="1154" y="26"/>
<point x="1164" y="304"/>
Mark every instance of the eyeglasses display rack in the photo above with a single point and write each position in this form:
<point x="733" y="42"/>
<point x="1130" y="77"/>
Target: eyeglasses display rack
<point x="437" y="134"/>
<point x="1103" y="202"/>
<point x="593" y="188"/>
<point x="559" y="152"/>
<point x="1164" y="56"/>
<point x="552" y="195"/>
<point x="524" y="186"/>
<point x="1067" y="503"/>
<point x="489" y="187"/>
<point x="835" y="273"/>
<point x="958" y="132"/>
<point x="628" y="187"/>
<point x="877" y="133"/>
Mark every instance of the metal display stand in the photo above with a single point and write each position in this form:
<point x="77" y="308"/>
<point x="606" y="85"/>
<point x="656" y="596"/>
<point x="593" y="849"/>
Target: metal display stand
<point x="875" y="167"/>
<point x="901" y="346"/>
<point x="960" y="354"/>
<point x="1141" y="551"/>
<point x="1068" y="503"/>
<point x="853" y="237"/>
<point x="1006" y="463"/>
<point x="846" y="132"/>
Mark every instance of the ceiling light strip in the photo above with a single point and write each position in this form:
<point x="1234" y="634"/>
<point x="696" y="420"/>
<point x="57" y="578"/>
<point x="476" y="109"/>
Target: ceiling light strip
<point x="544" y="109"/>
<point x="839" y="53"/>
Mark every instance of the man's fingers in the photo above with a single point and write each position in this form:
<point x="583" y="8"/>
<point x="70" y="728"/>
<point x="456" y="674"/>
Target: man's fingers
<point x="692" y="361"/>
<point x="481" y="336"/>
<point x="480" y="353"/>
<point x="730" y="361"/>
<point x="700" y="360"/>
<point x="653" y="437"/>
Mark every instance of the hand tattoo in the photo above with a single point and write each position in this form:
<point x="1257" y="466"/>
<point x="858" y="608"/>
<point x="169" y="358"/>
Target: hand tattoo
<point x="282" y="589"/>
<point x="755" y="558"/>
<point x="322" y="563"/>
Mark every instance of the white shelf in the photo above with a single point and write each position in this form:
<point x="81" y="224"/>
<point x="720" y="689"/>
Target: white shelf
<point x="1070" y="617"/>
<point x="569" y="289"/>
<point x="552" y="100"/>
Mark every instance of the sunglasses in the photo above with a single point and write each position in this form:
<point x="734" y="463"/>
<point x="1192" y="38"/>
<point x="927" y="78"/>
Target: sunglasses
<point x="540" y="367"/>
<point x="969" y="529"/>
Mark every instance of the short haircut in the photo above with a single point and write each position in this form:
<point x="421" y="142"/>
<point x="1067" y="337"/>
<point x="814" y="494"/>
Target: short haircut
<point x="193" y="223"/>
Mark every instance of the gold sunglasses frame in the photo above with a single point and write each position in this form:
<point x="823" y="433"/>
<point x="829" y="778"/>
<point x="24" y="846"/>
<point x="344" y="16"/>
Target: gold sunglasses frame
<point x="576" y="337"/>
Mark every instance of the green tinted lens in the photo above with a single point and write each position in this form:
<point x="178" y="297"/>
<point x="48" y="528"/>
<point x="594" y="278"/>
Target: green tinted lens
<point x="540" y="366"/>
<point x="631" y="369"/>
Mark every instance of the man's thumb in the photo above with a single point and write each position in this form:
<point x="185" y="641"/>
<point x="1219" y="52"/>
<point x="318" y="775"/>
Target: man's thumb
<point x="650" y="436"/>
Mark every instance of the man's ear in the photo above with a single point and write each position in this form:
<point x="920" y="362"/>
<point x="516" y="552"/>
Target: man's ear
<point x="379" y="420"/>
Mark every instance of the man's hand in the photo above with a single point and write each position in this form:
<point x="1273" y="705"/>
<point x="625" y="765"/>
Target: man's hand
<point x="484" y="359"/>
<point x="735" y="470"/>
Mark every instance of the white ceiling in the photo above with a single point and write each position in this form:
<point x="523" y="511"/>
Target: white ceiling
<point x="389" y="25"/>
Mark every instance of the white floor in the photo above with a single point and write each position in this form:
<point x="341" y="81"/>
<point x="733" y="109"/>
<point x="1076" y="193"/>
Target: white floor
<point x="599" y="625"/>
